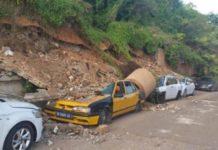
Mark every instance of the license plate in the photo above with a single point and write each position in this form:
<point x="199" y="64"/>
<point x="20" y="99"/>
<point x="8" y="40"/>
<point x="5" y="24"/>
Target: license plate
<point x="63" y="115"/>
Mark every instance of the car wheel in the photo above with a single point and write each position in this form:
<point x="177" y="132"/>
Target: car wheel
<point x="161" y="98"/>
<point x="104" y="116"/>
<point x="138" y="107"/>
<point x="20" y="137"/>
<point x="178" y="95"/>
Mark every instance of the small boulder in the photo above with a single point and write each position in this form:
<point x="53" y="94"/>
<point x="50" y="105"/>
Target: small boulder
<point x="103" y="129"/>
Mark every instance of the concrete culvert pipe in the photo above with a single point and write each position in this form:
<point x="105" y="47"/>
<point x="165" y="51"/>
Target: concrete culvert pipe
<point x="144" y="79"/>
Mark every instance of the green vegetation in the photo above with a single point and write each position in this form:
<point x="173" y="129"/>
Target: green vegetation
<point x="56" y="12"/>
<point x="3" y="12"/>
<point x="186" y="35"/>
<point x="29" y="87"/>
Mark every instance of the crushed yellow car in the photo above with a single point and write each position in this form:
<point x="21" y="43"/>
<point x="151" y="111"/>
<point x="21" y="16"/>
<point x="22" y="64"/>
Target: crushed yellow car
<point x="115" y="99"/>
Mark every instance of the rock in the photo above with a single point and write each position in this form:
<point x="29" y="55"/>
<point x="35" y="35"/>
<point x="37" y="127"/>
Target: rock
<point x="85" y="132"/>
<point x="55" y="130"/>
<point x="50" y="143"/>
<point x="72" y="134"/>
<point x="7" y="51"/>
<point x="71" y="78"/>
<point x="60" y="85"/>
<point x="103" y="129"/>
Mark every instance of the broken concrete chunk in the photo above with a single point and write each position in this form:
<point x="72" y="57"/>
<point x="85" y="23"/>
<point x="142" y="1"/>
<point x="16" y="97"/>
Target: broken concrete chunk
<point x="103" y="129"/>
<point x="50" y="142"/>
<point x="55" y="131"/>
<point x="7" y="51"/>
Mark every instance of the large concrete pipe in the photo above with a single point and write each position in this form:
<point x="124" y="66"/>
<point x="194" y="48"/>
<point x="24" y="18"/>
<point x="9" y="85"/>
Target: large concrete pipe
<point x="144" y="79"/>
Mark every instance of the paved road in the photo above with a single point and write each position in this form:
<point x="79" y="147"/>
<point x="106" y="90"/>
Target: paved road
<point x="187" y="124"/>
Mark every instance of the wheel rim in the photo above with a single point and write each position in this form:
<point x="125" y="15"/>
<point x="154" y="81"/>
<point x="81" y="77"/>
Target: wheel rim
<point x="21" y="139"/>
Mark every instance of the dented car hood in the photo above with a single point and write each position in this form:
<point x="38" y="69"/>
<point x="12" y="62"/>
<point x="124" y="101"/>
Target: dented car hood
<point x="83" y="103"/>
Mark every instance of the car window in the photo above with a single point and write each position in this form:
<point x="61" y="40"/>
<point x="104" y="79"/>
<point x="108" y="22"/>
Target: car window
<point x="119" y="91"/>
<point x="129" y="88"/>
<point x="171" y="81"/>
<point x="207" y="79"/>
<point x="135" y="88"/>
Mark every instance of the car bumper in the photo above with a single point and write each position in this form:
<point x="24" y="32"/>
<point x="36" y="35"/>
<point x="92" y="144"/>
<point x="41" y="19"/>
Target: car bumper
<point x="75" y="119"/>
<point x="39" y="127"/>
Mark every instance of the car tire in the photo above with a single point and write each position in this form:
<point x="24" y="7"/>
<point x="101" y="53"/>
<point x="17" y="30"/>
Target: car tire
<point x="105" y="116"/>
<point x="178" y="95"/>
<point x="20" y="135"/>
<point x="161" y="98"/>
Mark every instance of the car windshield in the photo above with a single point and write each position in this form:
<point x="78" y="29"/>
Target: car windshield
<point x="108" y="89"/>
<point x="160" y="81"/>
<point x="207" y="79"/>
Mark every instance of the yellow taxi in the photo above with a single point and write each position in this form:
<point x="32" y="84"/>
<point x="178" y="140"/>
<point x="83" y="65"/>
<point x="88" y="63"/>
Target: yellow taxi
<point x="115" y="99"/>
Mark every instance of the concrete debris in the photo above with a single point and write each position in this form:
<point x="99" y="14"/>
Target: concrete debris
<point x="103" y="129"/>
<point x="162" y="107"/>
<point x="55" y="130"/>
<point x="50" y="143"/>
<point x="7" y="51"/>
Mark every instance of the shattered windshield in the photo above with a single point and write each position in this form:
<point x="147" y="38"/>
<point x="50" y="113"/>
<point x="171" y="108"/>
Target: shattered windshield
<point x="108" y="89"/>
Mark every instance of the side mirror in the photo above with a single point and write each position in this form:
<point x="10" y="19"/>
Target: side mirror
<point x="118" y="95"/>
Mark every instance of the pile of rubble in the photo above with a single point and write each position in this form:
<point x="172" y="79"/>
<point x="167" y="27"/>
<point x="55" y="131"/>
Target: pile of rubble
<point x="71" y="71"/>
<point x="71" y="131"/>
<point x="161" y="107"/>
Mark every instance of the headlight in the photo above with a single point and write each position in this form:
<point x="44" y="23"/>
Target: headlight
<point x="37" y="113"/>
<point x="82" y="109"/>
<point x="51" y="103"/>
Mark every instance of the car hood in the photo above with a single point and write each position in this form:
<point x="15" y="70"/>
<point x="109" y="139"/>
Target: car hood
<point x="19" y="104"/>
<point x="83" y="103"/>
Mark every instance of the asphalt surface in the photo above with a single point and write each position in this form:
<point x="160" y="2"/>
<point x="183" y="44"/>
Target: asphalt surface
<point x="187" y="124"/>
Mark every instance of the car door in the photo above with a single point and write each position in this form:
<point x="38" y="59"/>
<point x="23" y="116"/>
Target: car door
<point x="119" y="99"/>
<point x="190" y="86"/>
<point x="171" y="88"/>
<point x="131" y="97"/>
<point x="2" y="118"/>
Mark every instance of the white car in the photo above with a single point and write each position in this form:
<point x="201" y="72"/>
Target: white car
<point x="20" y="124"/>
<point x="168" y="88"/>
<point x="188" y="86"/>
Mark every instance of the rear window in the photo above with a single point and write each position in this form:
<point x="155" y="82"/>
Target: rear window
<point x="129" y="88"/>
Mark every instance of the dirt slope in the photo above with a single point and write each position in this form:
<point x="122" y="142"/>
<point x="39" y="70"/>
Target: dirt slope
<point x="50" y="62"/>
<point x="61" y="61"/>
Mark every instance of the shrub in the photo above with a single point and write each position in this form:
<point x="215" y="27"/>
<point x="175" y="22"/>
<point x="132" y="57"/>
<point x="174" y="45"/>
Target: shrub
<point x="55" y="12"/>
<point x="3" y="12"/>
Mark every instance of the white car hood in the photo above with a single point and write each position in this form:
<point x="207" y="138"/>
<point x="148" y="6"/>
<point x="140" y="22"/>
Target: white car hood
<point x="19" y="104"/>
